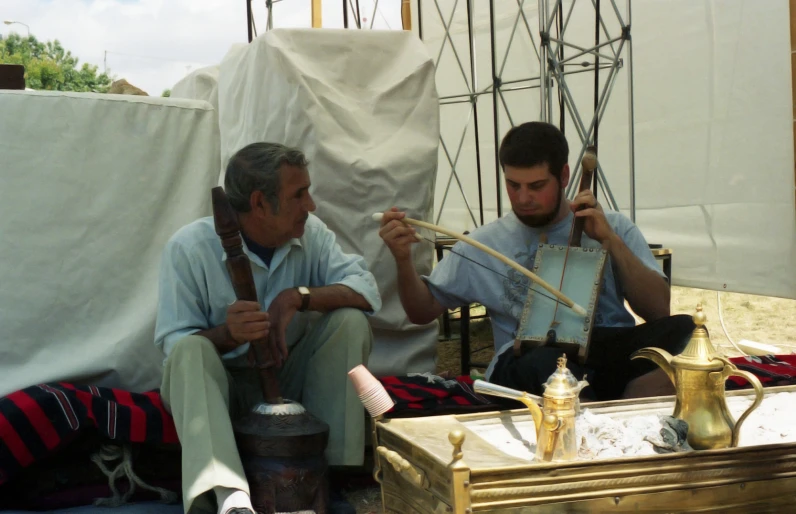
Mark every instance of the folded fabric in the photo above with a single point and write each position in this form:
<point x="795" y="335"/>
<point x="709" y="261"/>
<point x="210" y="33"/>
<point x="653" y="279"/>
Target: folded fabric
<point x="426" y="395"/>
<point x="39" y="420"/>
<point x="771" y="370"/>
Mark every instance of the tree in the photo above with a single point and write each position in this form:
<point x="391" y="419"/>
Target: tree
<point x="166" y="92"/>
<point x="48" y="66"/>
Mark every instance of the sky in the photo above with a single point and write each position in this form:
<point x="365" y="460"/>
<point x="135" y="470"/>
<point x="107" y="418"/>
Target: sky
<point x="155" y="43"/>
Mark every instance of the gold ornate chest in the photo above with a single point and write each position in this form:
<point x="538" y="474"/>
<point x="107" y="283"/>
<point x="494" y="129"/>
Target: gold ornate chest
<point x="449" y="464"/>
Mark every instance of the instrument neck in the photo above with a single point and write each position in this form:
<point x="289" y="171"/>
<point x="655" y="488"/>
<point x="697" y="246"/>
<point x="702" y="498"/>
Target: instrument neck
<point x="577" y="223"/>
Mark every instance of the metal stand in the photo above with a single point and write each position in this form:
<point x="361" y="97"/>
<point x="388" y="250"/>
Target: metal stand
<point x="549" y="43"/>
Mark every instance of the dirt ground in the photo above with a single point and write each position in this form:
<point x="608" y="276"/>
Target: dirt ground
<point x="742" y="316"/>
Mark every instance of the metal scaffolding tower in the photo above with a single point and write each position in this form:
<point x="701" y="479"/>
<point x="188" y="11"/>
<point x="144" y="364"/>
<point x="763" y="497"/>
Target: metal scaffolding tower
<point x="557" y="58"/>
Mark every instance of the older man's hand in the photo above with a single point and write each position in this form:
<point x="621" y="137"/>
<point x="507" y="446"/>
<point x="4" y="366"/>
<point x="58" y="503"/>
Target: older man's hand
<point x="281" y="312"/>
<point x="247" y="322"/>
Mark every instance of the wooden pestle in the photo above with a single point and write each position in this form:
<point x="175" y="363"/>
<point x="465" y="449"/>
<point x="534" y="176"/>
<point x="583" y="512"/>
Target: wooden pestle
<point x="240" y="271"/>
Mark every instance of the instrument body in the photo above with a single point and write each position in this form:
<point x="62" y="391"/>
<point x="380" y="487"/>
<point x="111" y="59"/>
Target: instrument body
<point x="282" y="446"/>
<point x="582" y="269"/>
<point x="579" y="272"/>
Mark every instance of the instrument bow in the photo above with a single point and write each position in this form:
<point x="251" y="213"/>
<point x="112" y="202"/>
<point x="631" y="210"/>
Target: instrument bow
<point x="577" y="309"/>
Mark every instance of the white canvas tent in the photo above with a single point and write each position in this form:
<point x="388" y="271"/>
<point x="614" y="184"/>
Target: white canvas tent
<point x="713" y="158"/>
<point x="94" y="185"/>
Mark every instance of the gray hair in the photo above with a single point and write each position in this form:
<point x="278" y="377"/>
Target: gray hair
<point x="256" y="167"/>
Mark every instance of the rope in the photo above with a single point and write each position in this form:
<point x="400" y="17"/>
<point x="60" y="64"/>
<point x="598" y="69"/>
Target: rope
<point x="721" y="319"/>
<point x="109" y="453"/>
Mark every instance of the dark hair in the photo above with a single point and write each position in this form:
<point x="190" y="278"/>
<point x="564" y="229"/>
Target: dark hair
<point x="534" y="143"/>
<point x="256" y="167"/>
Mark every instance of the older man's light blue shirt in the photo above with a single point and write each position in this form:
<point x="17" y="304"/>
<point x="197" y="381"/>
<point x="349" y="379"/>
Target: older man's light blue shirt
<point x="195" y="288"/>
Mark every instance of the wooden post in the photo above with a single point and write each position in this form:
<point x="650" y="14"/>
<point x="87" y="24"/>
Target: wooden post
<point x="793" y="76"/>
<point x="12" y="76"/>
<point x="317" y="18"/>
<point x="406" y="14"/>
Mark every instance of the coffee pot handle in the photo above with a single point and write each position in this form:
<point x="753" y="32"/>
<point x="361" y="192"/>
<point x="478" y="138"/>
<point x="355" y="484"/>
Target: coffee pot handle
<point x="731" y="370"/>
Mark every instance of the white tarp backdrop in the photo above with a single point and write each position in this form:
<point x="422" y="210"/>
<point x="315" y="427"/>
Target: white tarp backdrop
<point x="714" y="152"/>
<point x="91" y="188"/>
<point x="200" y="84"/>
<point x="362" y="106"/>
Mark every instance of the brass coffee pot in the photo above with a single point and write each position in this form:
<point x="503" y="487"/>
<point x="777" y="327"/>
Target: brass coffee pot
<point x="556" y="439"/>
<point x="698" y="374"/>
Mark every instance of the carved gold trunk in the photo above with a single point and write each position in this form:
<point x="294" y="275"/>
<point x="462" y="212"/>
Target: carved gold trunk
<point x="441" y="465"/>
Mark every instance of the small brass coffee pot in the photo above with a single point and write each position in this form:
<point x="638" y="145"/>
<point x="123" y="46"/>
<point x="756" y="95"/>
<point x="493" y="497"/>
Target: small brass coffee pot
<point x="698" y="374"/>
<point x="556" y="439"/>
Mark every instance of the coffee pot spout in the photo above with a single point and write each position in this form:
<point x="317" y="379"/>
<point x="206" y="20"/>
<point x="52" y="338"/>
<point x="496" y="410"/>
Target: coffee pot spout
<point x="660" y="357"/>
<point x="529" y="400"/>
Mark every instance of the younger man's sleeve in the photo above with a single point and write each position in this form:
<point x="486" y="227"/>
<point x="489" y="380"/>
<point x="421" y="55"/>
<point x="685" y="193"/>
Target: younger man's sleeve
<point x="637" y="243"/>
<point x="449" y="281"/>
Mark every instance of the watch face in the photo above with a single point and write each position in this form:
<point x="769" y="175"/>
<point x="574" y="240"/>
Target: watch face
<point x="303" y="290"/>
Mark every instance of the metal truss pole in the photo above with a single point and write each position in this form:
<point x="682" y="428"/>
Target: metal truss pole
<point x="610" y="53"/>
<point x="249" y="19"/>
<point x="588" y="135"/>
<point x="470" y="97"/>
<point x="474" y="103"/>
<point x="495" y="118"/>
<point x="631" y="120"/>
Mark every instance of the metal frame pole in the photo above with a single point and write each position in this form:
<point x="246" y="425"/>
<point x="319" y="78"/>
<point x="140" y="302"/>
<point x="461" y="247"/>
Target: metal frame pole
<point x="596" y="83"/>
<point x="474" y="103"/>
<point x="631" y="119"/>
<point x="543" y="60"/>
<point x="587" y="136"/>
<point x="607" y="53"/>
<point x="495" y="88"/>
<point x="249" y="18"/>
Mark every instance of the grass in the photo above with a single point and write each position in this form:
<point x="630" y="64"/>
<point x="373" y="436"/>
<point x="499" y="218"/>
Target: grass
<point x="742" y="316"/>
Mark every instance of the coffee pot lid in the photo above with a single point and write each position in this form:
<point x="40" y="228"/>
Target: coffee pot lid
<point x="700" y="352"/>
<point x="562" y="383"/>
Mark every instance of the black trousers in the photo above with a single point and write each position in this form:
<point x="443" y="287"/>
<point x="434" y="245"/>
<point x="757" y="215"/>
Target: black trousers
<point x="608" y="366"/>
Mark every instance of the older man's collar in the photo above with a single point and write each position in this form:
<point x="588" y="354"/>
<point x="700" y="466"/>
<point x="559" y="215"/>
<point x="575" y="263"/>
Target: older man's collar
<point x="255" y="258"/>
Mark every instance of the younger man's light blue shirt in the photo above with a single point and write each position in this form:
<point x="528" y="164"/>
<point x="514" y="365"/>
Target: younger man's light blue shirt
<point x="195" y="289"/>
<point x="458" y="281"/>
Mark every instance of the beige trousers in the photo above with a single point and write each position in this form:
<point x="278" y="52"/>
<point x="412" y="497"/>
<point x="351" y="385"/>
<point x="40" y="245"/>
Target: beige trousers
<point x="202" y="392"/>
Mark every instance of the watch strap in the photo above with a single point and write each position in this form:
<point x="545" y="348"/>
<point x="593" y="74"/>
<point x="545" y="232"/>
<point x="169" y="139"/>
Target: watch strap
<point x="305" y="300"/>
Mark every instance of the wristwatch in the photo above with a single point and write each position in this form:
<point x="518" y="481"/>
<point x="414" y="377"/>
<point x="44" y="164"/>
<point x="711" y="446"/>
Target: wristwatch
<point x="305" y="298"/>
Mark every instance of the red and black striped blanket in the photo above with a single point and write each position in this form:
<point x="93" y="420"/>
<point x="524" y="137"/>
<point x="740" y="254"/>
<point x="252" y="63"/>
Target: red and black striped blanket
<point x="37" y="421"/>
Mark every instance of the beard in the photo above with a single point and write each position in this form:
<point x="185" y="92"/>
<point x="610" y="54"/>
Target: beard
<point x="540" y="220"/>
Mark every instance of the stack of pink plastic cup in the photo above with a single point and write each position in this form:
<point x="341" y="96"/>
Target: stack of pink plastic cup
<point x="371" y="392"/>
